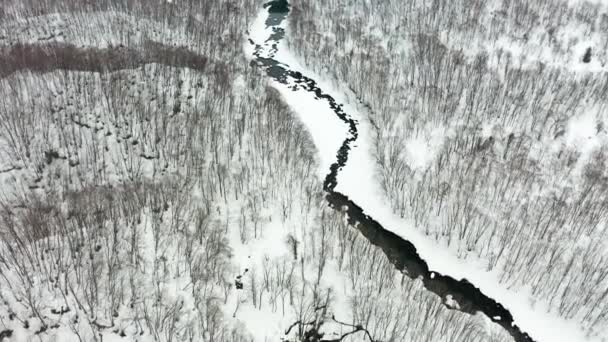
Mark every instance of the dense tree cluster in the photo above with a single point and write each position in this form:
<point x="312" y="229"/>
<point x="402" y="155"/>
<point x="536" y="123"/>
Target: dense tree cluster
<point x="502" y="100"/>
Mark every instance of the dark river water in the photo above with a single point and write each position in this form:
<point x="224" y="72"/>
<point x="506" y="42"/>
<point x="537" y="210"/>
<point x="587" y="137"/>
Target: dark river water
<point x="400" y="252"/>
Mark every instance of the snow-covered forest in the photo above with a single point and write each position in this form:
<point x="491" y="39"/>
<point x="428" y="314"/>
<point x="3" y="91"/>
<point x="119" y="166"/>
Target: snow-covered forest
<point x="489" y="131"/>
<point x="157" y="184"/>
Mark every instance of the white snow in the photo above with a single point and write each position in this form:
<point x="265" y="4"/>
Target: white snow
<point x="582" y="135"/>
<point x="582" y="132"/>
<point x="421" y="150"/>
<point x="417" y="151"/>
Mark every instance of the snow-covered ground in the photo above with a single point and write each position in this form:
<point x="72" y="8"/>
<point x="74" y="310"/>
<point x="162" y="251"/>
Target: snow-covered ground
<point x="359" y="181"/>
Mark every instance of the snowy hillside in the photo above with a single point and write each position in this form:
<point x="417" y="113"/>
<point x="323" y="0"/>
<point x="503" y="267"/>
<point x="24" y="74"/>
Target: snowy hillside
<point x="303" y="171"/>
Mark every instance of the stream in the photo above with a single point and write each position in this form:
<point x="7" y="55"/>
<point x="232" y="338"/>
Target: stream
<point x="401" y="253"/>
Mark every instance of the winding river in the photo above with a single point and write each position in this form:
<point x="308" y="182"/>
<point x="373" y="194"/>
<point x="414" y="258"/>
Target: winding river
<point x="401" y="253"/>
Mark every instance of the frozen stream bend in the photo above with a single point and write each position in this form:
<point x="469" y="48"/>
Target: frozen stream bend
<point x="400" y="252"/>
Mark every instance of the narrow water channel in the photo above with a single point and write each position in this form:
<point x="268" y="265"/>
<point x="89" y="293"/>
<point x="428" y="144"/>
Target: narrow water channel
<point x="401" y="253"/>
